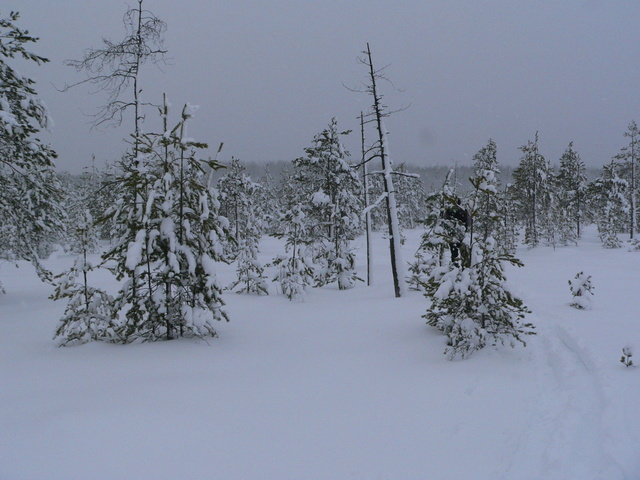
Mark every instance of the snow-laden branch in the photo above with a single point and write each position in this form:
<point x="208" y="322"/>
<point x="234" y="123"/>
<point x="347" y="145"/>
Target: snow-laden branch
<point x="375" y="204"/>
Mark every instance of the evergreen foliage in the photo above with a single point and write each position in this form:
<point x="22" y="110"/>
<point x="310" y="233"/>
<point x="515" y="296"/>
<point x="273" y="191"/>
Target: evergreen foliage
<point x="470" y="302"/>
<point x="329" y="191"/>
<point x="295" y="270"/>
<point x="532" y="194"/>
<point x="89" y="315"/>
<point x="238" y="195"/>
<point x="170" y="236"/>
<point x="628" y="161"/>
<point x="609" y="199"/>
<point x="581" y="290"/>
<point x="571" y="189"/>
<point x="31" y="218"/>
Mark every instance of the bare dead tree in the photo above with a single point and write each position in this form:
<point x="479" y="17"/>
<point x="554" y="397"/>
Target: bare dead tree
<point x="379" y="150"/>
<point x="114" y="67"/>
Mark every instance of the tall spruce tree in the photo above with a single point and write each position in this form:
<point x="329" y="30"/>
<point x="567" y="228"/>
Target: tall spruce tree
<point x="531" y="191"/>
<point x="238" y="202"/>
<point x="629" y="156"/>
<point x="610" y="200"/>
<point x="30" y="193"/>
<point x="571" y="184"/>
<point x="485" y="167"/>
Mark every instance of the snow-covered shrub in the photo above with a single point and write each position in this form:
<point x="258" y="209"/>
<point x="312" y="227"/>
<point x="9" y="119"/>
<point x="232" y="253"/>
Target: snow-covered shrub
<point x="90" y="312"/>
<point x="329" y="190"/>
<point x="238" y="195"/>
<point x="170" y="236"/>
<point x="296" y="269"/>
<point x="294" y="275"/>
<point x="627" y="353"/>
<point x="472" y="306"/>
<point x="581" y="289"/>
<point x="470" y="302"/>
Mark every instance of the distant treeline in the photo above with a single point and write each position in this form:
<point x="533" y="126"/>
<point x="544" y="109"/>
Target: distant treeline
<point x="432" y="177"/>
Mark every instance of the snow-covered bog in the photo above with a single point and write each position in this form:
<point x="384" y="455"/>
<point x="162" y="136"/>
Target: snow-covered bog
<point x="347" y="385"/>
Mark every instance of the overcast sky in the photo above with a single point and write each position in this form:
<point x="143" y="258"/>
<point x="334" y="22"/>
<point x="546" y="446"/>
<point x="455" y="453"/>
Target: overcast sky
<point x="269" y="75"/>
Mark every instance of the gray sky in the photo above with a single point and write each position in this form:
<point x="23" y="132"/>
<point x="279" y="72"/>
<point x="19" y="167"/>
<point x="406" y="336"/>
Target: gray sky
<point x="268" y="75"/>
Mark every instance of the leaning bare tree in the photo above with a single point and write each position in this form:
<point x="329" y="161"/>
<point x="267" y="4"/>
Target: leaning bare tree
<point x="379" y="150"/>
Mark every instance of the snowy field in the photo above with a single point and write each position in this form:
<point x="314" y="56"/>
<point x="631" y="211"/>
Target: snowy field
<point x="348" y="385"/>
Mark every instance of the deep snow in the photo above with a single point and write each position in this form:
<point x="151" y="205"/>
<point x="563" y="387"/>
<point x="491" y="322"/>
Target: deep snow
<point x="348" y="385"/>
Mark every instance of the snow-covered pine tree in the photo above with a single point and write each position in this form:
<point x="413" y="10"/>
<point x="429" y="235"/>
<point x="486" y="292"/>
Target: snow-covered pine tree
<point x="169" y="243"/>
<point x="609" y="198"/>
<point x="471" y="304"/>
<point x="531" y="191"/>
<point x="268" y="201"/>
<point x="495" y="215"/>
<point x="581" y="291"/>
<point x="508" y="233"/>
<point x="330" y="193"/>
<point x="434" y="243"/>
<point x="115" y="69"/>
<point x="628" y="161"/>
<point x="295" y="270"/>
<point x="80" y="192"/>
<point x="30" y="194"/>
<point x="238" y="195"/>
<point x="571" y="187"/>
<point x="89" y="314"/>
<point x="485" y="166"/>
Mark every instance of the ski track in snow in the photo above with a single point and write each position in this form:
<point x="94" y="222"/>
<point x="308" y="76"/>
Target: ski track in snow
<point x="565" y="438"/>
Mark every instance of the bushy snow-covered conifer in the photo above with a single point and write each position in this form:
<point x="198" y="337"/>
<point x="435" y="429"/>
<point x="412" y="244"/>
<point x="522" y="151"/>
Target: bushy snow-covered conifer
<point x="609" y="199"/>
<point x="433" y="249"/>
<point x="30" y="195"/>
<point x="581" y="290"/>
<point x="470" y="302"/>
<point x="170" y="238"/>
<point x="295" y="270"/>
<point x="329" y="191"/>
<point x="89" y="314"/>
<point x="628" y="161"/>
<point x="571" y="183"/>
<point x="531" y="190"/>
<point x="238" y="199"/>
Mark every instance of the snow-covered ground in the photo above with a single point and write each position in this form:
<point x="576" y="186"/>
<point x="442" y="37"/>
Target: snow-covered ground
<point x="348" y="385"/>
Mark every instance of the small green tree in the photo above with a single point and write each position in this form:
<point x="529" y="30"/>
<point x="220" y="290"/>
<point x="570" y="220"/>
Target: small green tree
<point x="581" y="290"/>
<point x="610" y="201"/>
<point x="89" y="314"/>
<point x="571" y="184"/>
<point x="469" y="302"/>
<point x="295" y="270"/>
<point x="329" y="191"/>
<point x="238" y="200"/>
<point x="531" y="191"/>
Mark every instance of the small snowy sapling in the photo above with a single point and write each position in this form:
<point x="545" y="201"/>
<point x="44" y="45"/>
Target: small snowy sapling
<point x="581" y="289"/>
<point x="627" y="353"/>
